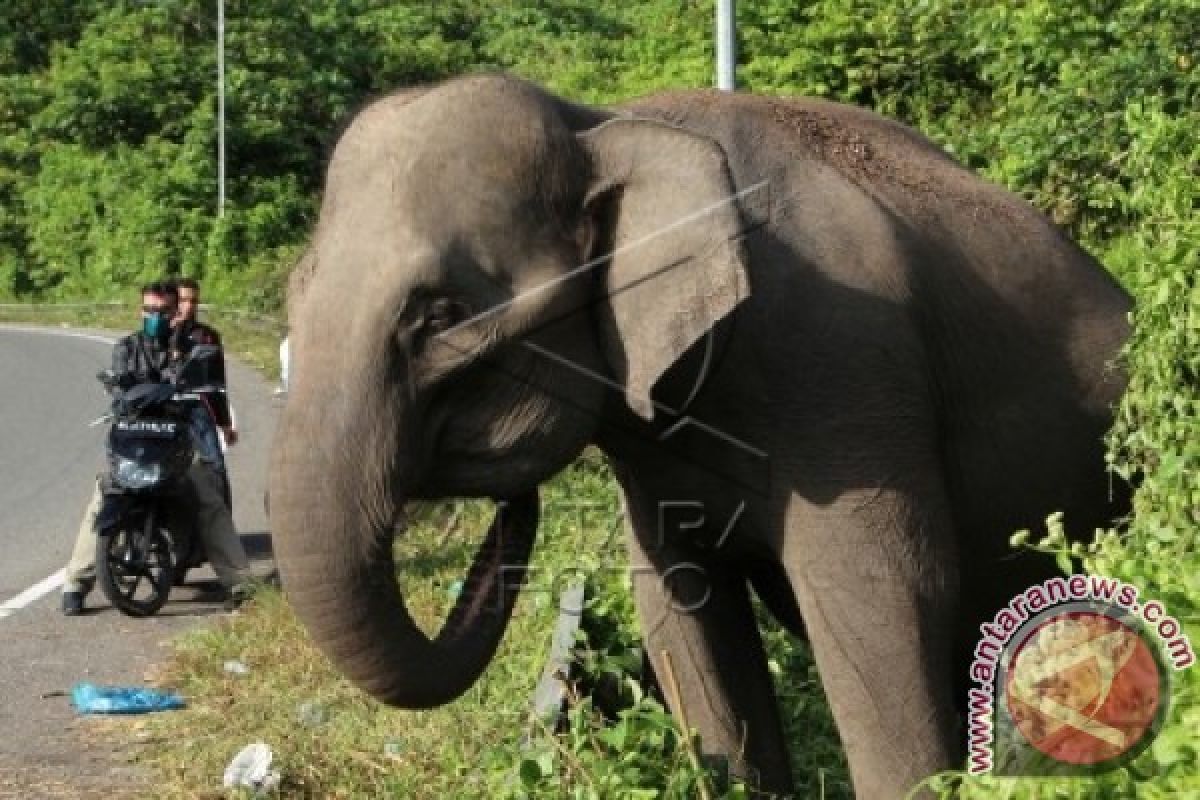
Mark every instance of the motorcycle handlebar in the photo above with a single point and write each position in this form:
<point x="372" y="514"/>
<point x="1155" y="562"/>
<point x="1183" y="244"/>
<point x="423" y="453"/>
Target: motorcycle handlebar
<point x="193" y="394"/>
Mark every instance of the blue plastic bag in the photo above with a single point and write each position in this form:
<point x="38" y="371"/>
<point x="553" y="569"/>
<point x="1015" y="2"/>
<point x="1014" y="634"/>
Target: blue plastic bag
<point x="91" y="699"/>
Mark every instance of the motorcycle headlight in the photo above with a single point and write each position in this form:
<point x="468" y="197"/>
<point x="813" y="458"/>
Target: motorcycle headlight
<point x="133" y="475"/>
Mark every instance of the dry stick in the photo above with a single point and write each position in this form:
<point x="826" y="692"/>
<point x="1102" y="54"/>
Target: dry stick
<point x="572" y="763"/>
<point x="677" y="701"/>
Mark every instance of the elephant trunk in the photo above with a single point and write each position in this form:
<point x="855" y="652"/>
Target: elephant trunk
<point x="333" y="544"/>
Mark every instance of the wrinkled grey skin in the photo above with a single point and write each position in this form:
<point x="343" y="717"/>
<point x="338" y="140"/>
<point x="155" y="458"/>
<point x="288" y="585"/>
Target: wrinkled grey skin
<point x="895" y="367"/>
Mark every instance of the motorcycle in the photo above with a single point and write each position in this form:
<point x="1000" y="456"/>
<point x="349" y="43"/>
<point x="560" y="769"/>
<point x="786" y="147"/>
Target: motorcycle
<point x="145" y="543"/>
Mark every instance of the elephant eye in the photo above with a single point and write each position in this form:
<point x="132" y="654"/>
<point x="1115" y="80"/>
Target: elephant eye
<point x="443" y="314"/>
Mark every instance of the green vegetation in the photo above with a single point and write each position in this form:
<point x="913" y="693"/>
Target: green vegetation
<point x="1089" y="108"/>
<point x="108" y="123"/>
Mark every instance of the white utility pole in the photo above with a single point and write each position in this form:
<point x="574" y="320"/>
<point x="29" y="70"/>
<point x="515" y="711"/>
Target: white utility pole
<point x="726" y="45"/>
<point x="220" y="108"/>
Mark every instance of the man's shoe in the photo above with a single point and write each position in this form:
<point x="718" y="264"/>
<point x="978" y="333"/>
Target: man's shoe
<point x="72" y="603"/>
<point x="238" y="595"/>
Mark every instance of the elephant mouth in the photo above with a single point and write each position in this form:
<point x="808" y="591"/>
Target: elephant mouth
<point x="465" y="468"/>
<point x="497" y="479"/>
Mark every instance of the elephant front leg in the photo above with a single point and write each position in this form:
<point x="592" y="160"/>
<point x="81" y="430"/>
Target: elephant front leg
<point x="875" y="577"/>
<point x="701" y="614"/>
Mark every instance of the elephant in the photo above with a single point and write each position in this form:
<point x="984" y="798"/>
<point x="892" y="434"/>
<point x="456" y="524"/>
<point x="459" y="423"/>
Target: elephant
<point x="829" y="367"/>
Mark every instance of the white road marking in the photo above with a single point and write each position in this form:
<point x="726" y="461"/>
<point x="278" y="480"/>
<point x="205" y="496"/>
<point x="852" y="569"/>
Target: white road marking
<point x="45" y="587"/>
<point x="58" y="332"/>
<point x="33" y="593"/>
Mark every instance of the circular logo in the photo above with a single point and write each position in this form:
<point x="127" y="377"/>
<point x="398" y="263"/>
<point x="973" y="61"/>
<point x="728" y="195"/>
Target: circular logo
<point x="1084" y="687"/>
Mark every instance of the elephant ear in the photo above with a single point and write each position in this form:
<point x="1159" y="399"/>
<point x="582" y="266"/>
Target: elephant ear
<point x="668" y="223"/>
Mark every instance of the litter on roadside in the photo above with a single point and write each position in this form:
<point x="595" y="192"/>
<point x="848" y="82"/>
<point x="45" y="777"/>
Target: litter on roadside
<point x="91" y="699"/>
<point x="251" y="768"/>
<point x="312" y="714"/>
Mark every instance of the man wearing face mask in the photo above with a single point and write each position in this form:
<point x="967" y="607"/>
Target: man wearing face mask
<point x="144" y="355"/>
<point x="147" y="356"/>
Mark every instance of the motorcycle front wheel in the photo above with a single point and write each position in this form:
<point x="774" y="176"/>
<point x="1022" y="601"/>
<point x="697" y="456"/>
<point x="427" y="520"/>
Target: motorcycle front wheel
<point x="135" y="567"/>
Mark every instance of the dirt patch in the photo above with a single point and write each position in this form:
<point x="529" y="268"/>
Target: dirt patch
<point x="77" y="769"/>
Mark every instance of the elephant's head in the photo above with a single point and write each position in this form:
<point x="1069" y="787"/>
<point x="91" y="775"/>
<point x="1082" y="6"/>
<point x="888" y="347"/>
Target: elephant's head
<point x="488" y="263"/>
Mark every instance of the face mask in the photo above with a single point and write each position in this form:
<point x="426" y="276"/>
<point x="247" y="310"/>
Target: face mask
<point x="156" y="326"/>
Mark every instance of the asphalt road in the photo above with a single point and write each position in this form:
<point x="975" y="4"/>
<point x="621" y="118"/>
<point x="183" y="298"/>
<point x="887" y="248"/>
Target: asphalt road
<point x="49" y="457"/>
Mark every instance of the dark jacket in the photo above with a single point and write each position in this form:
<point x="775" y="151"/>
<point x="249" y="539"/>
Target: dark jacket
<point x="183" y="339"/>
<point x="138" y="358"/>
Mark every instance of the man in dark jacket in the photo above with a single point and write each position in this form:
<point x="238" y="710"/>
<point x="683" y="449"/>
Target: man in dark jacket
<point x="144" y="356"/>
<point x="187" y="332"/>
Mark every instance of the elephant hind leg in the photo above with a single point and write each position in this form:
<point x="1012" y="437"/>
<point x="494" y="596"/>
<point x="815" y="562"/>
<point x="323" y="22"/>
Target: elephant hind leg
<point x="701" y="614"/>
